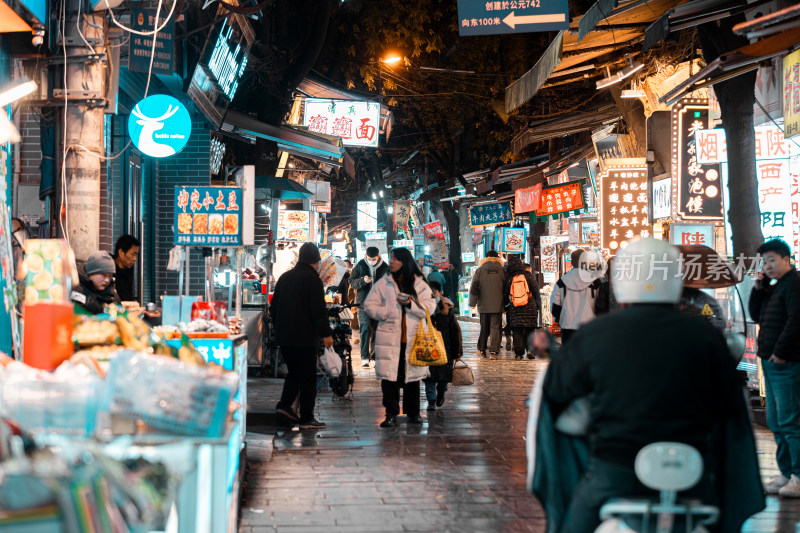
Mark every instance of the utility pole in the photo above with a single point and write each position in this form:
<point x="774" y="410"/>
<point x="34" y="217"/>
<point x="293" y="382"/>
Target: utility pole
<point x="85" y="93"/>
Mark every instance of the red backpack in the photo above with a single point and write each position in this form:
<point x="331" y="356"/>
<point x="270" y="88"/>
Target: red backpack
<point x="520" y="292"/>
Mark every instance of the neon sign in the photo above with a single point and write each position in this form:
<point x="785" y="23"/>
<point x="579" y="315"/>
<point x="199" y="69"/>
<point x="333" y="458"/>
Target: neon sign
<point x="159" y="126"/>
<point x="228" y="60"/>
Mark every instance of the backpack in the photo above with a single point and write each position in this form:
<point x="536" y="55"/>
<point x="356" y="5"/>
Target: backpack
<point x="520" y="292"/>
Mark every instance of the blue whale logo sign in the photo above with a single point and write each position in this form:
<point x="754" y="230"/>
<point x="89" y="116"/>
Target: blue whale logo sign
<point x="159" y="126"/>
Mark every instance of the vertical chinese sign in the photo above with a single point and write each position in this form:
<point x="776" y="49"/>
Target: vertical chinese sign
<point x="356" y="122"/>
<point x="697" y="186"/>
<point x="208" y="216"/>
<point x="402" y="213"/>
<point x="623" y="206"/>
<point x="791" y="94"/>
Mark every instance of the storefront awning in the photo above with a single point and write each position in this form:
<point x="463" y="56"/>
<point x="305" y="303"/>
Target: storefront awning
<point x="316" y="146"/>
<point x="557" y="127"/>
<point x="693" y="14"/>
<point x="507" y="173"/>
<point x="282" y="188"/>
<point x="736" y="62"/>
<point x="569" y="50"/>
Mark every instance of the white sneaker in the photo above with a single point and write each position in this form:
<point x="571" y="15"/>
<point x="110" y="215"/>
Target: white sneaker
<point x="365" y="363"/>
<point x="791" y="489"/>
<point x="775" y="484"/>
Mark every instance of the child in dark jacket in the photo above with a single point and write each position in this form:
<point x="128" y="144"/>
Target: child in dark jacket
<point x="445" y="321"/>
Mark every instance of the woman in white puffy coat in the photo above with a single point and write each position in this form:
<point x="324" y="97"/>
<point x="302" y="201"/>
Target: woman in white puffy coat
<point x="398" y="302"/>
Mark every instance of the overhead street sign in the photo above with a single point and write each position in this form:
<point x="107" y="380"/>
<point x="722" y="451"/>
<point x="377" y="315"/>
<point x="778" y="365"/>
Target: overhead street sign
<point x="481" y="17"/>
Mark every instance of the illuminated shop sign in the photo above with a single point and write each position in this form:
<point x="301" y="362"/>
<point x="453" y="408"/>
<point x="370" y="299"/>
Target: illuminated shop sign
<point x="208" y="216"/>
<point x="159" y="126"/>
<point x="561" y="199"/>
<point x="623" y="207"/>
<point x="228" y="59"/>
<point x="355" y="122"/>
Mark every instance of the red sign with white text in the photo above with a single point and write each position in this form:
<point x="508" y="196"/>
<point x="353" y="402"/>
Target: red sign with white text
<point x="561" y="199"/>
<point x="527" y="199"/>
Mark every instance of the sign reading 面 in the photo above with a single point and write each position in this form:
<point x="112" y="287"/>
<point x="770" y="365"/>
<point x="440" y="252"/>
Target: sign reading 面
<point x="513" y="240"/>
<point x="140" y="50"/>
<point x="481" y="17"/>
<point x="561" y="198"/>
<point x="527" y="199"/>
<point x="356" y="122"/>
<point x="367" y="216"/>
<point x="623" y="207"/>
<point x="494" y="214"/>
<point x="159" y="126"/>
<point x="662" y="199"/>
<point x="791" y="93"/>
<point x="208" y="216"/>
<point x="692" y="234"/>
<point x="698" y="185"/>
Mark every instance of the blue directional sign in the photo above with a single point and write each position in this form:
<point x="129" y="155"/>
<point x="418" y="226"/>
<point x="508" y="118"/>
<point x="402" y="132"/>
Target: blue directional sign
<point x="159" y="126"/>
<point x="482" y="17"/>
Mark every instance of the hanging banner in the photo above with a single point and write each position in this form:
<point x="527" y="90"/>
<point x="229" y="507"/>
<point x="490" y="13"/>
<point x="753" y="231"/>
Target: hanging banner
<point x="433" y="231"/>
<point x="402" y="213"/>
<point x="562" y="198"/>
<point x="356" y="122"/>
<point x="207" y="216"/>
<point x="623" y="207"/>
<point x="494" y="214"/>
<point x="791" y="94"/>
<point x="367" y="216"/>
<point x="527" y="200"/>
<point x="697" y="185"/>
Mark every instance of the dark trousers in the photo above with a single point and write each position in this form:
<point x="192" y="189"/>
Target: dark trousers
<point x="566" y="334"/>
<point x="366" y="335"/>
<point x="521" y="340"/>
<point x="302" y="379"/>
<point x="391" y="391"/>
<point x="490" y="330"/>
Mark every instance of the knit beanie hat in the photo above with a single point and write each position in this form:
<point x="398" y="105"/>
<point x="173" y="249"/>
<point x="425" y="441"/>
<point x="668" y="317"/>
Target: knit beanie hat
<point x="309" y="254"/>
<point x="99" y="263"/>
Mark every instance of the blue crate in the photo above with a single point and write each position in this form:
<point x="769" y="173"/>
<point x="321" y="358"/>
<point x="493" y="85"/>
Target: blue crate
<point x="52" y="406"/>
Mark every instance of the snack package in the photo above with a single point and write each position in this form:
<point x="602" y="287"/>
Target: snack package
<point x="332" y="270"/>
<point x="48" y="270"/>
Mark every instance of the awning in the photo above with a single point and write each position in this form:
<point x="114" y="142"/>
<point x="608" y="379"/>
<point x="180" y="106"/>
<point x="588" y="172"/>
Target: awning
<point x="781" y="20"/>
<point x="736" y="62"/>
<point x="557" y="127"/>
<point x="693" y="14"/>
<point x="508" y="172"/>
<point x="623" y="27"/>
<point x="282" y="188"/>
<point x="316" y="146"/>
<point x="568" y="159"/>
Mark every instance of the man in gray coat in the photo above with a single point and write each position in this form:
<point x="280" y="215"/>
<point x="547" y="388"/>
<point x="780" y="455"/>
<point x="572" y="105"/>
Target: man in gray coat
<point x="486" y="292"/>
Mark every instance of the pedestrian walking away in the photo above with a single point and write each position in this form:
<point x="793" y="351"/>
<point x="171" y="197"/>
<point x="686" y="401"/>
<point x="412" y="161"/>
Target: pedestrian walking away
<point x="367" y="271"/>
<point x="445" y="321"/>
<point x="573" y="298"/>
<point x="300" y="319"/>
<point x="436" y="276"/>
<point x="486" y="292"/>
<point x="399" y="302"/>
<point x="523" y="301"/>
<point x="776" y="308"/>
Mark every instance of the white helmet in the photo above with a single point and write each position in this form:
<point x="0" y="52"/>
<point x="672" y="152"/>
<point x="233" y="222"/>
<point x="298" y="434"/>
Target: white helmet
<point x="647" y="271"/>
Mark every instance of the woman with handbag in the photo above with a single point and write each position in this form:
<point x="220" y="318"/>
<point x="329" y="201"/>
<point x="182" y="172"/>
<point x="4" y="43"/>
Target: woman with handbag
<point x="399" y="303"/>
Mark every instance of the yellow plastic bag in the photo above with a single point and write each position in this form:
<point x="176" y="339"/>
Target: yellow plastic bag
<point x="428" y="348"/>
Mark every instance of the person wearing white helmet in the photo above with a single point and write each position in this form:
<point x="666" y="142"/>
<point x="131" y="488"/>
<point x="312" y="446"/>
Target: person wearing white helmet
<point x="651" y="374"/>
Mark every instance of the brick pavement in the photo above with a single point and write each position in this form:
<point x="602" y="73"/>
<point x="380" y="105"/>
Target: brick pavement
<point x="462" y="470"/>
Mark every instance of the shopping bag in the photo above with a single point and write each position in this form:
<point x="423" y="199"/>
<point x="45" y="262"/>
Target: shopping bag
<point x="462" y="374"/>
<point x="428" y="348"/>
<point x="331" y="363"/>
<point x="555" y="329"/>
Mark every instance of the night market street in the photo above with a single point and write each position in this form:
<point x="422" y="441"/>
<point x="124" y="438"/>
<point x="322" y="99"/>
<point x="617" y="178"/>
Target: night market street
<point x="462" y="470"/>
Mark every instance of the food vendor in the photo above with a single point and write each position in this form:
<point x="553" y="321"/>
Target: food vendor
<point x="96" y="289"/>
<point x="126" y="252"/>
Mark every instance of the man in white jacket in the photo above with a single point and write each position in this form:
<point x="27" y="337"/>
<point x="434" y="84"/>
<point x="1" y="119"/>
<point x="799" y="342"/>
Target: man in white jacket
<point x="573" y="298"/>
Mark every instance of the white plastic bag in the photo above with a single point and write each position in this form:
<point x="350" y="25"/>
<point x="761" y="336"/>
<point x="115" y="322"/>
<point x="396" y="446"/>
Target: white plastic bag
<point x="331" y="363"/>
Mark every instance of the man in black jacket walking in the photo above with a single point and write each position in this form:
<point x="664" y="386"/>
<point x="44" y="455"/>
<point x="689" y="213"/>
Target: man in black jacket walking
<point x="777" y="309"/>
<point x="300" y="318"/>
<point x="364" y="275"/>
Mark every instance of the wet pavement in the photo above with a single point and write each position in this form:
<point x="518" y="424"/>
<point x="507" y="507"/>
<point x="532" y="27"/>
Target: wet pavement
<point x="463" y="469"/>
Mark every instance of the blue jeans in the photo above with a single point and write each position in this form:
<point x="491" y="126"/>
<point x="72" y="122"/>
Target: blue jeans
<point x="431" y="388"/>
<point x="782" y="383"/>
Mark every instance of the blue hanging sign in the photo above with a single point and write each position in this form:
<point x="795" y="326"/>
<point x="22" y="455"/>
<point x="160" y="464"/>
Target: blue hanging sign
<point x="482" y="17"/>
<point x="494" y="214"/>
<point x="208" y="216"/>
<point x="159" y="126"/>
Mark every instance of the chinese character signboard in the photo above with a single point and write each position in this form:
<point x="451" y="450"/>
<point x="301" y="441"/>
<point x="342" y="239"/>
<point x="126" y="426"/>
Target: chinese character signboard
<point x="468" y="257"/>
<point x="402" y="213"/>
<point x="208" y="216"/>
<point x="294" y="226"/>
<point x="791" y="93"/>
<point x="433" y="231"/>
<point x="662" y="199"/>
<point x="481" y="17"/>
<point x="513" y="240"/>
<point x="494" y="214"/>
<point x="141" y="46"/>
<point x="623" y="207"/>
<point x="527" y="199"/>
<point x="697" y="185"/>
<point x="692" y="234"/>
<point x="367" y="216"/>
<point x="404" y="243"/>
<point x="712" y="146"/>
<point x="356" y="122"/>
<point x="437" y="243"/>
<point x="561" y="198"/>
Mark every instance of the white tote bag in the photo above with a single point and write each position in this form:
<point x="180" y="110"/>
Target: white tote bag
<point x="331" y="363"/>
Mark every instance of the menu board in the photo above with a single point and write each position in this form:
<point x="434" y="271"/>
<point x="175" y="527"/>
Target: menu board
<point x="561" y="199"/>
<point x="549" y="257"/>
<point x="624" y="207"/>
<point x="293" y="226"/>
<point x="208" y="216"/>
<point x="513" y="240"/>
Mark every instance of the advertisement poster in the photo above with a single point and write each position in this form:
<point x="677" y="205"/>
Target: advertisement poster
<point x="513" y="240"/>
<point x="402" y="213"/>
<point x="561" y="199"/>
<point x="662" y="199"/>
<point x="367" y="216"/>
<point x="207" y="216"/>
<point x="527" y="199"/>
<point x="433" y="231"/>
<point x="549" y="256"/>
<point x="357" y="123"/>
<point x="495" y="214"/>
<point x="294" y="226"/>
<point x="791" y="94"/>
<point x="624" y="207"/>
<point x="439" y="254"/>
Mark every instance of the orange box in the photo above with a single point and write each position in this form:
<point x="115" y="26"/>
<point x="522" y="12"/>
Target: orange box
<point x="47" y="337"/>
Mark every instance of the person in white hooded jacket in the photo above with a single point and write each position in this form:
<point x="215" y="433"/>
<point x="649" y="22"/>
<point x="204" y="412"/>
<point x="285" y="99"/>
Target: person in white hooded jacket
<point x="399" y="302"/>
<point x="573" y="298"/>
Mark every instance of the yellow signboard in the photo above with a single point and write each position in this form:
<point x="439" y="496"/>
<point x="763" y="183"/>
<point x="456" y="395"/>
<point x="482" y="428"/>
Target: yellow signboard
<point x="791" y="94"/>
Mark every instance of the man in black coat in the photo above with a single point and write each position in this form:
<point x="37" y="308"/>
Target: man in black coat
<point x="364" y="275"/>
<point x="777" y="310"/>
<point x="300" y="318"/>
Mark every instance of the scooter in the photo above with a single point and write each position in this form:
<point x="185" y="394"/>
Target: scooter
<point x="668" y="467"/>
<point x="340" y="317"/>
